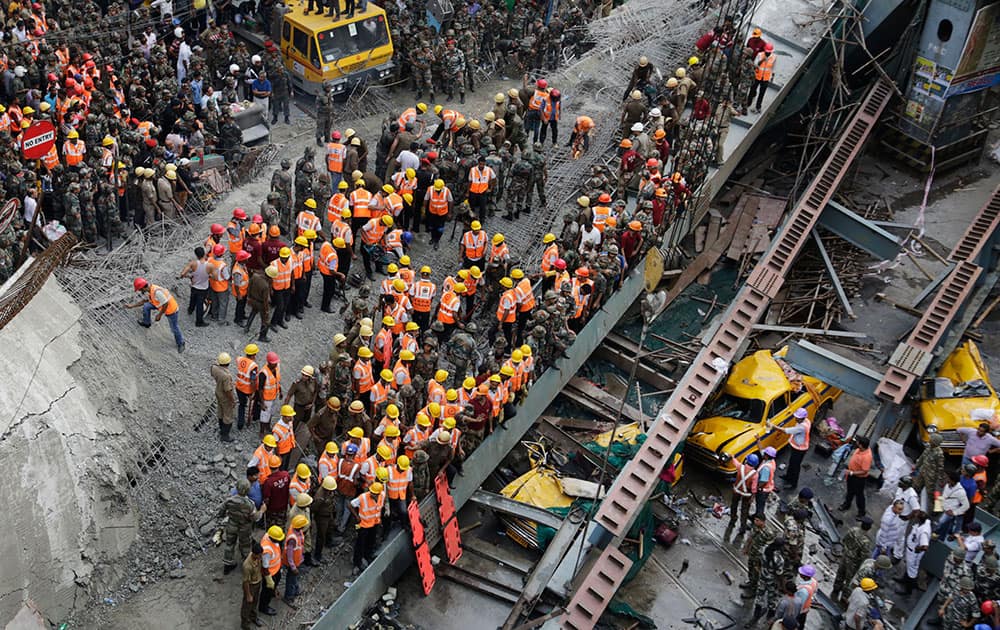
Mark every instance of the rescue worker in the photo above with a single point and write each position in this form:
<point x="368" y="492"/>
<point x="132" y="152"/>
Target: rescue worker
<point x="798" y="440"/>
<point x="438" y="203"/>
<point x="271" y="563"/>
<point x="744" y="488"/>
<point x="155" y="298"/>
<point x="295" y="541"/>
<point x="225" y="397"/>
<point x="240" y="514"/>
<point x="367" y="508"/>
<point x="259" y="300"/>
<point x="764" y="71"/>
<point x="246" y="382"/>
<point x="269" y="392"/>
<point x="324" y="509"/>
<point x="252" y="579"/>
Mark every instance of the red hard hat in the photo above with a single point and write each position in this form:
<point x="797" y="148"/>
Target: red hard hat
<point x="218" y="229"/>
<point x="335" y="135"/>
<point x="555" y="93"/>
<point x="988" y="607"/>
<point x="651" y="163"/>
<point x="52" y="78"/>
<point x="542" y="84"/>
<point x="36" y="6"/>
<point x="78" y="90"/>
<point x="981" y="460"/>
<point x="87" y="56"/>
<point x="242" y="255"/>
<point x="239" y="213"/>
<point x="257" y="218"/>
<point x="139" y="284"/>
<point x="150" y="142"/>
<point x="432" y="155"/>
<point x="272" y="357"/>
<point x="768" y="47"/>
<point x="70" y="82"/>
<point x="604" y="198"/>
<point x="90" y="64"/>
<point x="559" y="264"/>
<point x="219" y="250"/>
<point x="583" y="272"/>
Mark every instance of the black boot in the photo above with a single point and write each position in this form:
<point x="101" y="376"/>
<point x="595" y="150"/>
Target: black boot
<point x="224" y="430"/>
<point x="461" y="98"/>
<point x="263" y="336"/>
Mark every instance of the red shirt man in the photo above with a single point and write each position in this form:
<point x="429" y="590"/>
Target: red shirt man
<point x="275" y="492"/>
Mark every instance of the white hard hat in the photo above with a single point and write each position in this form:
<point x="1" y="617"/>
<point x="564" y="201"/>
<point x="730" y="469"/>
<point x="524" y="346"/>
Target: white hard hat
<point x="637" y="127"/>
<point x="655" y="112"/>
<point x="234" y="68"/>
<point x="19" y="71"/>
<point x="255" y="59"/>
<point x="178" y="32"/>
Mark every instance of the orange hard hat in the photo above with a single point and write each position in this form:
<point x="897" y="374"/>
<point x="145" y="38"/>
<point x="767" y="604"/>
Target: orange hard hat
<point x="274" y="231"/>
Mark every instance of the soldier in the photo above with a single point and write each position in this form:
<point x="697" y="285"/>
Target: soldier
<point x="987" y="578"/>
<point x="426" y="362"/>
<point x="423" y="479"/>
<point x="304" y="189"/>
<point x="961" y="609"/>
<point x="772" y="568"/>
<point x="520" y="185"/>
<point x="539" y="176"/>
<point x="515" y="129"/>
<point x="454" y="71"/>
<point x="856" y="547"/>
<point x="71" y="210"/>
<point x="795" y="539"/>
<point x="324" y="115"/>
<point x="281" y="93"/>
<point x="281" y="184"/>
<point x="760" y="536"/>
<point x="107" y="208"/>
<point x="470" y="47"/>
<point x="88" y="213"/>
<point x="873" y="568"/>
<point x="241" y="513"/>
<point x="954" y="570"/>
<point x="462" y="351"/>
<point x="422" y="61"/>
<point x="929" y="474"/>
<point x="230" y="140"/>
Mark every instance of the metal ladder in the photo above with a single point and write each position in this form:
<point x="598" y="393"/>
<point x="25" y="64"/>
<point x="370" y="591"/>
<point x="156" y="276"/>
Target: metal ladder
<point x="634" y="485"/>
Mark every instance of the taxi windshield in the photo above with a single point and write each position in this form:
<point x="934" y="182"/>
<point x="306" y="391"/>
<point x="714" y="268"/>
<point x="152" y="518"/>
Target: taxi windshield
<point x="353" y="38"/>
<point x="729" y="406"/>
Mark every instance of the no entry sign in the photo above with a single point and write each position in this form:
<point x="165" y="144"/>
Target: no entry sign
<point x="37" y="139"/>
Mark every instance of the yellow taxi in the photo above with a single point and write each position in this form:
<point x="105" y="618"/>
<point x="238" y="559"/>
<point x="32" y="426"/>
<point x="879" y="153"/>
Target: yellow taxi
<point x="760" y="388"/>
<point x="959" y="396"/>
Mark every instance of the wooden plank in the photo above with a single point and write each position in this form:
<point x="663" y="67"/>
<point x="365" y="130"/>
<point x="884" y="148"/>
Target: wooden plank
<point x="743" y="224"/>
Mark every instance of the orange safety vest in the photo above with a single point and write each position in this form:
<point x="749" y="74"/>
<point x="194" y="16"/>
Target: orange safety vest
<point x="549" y="257"/>
<point x="272" y="382"/>
<point x="507" y="310"/>
<point x="398" y="370"/>
<point x="308" y="258"/>
<point x="51" y="159"/>
<point x="745" y="483"/>
<point x="335" y="154"/>
<point x="413" y="437"/>
<point x="270" y="556"/>
<point x="335" y="207"/>
<point x="328" y="260"/>
<point x="327" y="465"/>
<point x="360" y="199"/>
<point x="392" y="443"/>
<point x="236" y="234"/>
<point x="369" y="468"/>
<point x="245" y="381"/>
<point x="537" y="101"/>
<point x="977" y="477"/>
<point x="399" y="481"/>
<point x="307" y="221"/>
<point x="601" y="214"/>
<point x="262" y="455"/>
<point x="805" y="446"/>
<point x="423" y="295"/>
<point x="470" y="286"/>
<point x="157" y="302"/>
<point x="499" y="252"/>
<point x="241" y="281"/>
<point x="497" y="398"/>
<point x="474" y="244"/>
<point x="435" y="392"/>
<point x="73" y="151"/>
<point x="764" y="66"/>
<point x="448" y="308"/>
<point x="383" y="344"/>
<point x="394" y="239"/>
<point x="811" y="586"/>
<point x="347" y="474"/>
<point x="343" y="230"/>
<point x="370" y="510"/>
<point x="438" y="201"/>
<point x="284" y="278"/>
<point x="216" y="281"/>
<point x="525" y="295"/>
<point x="479" y="180"/>
<point x="299" y="485"/>
<point x="373" y="231"/>
<point x="296" y="261"/>
<point x="769" y="484"/>
<point x="400" y="312"/>
<point x="285" y="436"/>
<point x="402" y="184"/>
<point x="409" y="115"/>
<point x="448" y="118"/>
<point x="297" y="541"/>
<point x="582" y="300"/>
<point x="363" y="376"/>
<point x="363" y="449"/>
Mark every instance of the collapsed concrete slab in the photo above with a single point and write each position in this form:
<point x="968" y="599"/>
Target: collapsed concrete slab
<point x="65" y="494"/>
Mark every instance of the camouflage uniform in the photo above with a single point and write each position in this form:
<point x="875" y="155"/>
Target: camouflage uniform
<point x="71" y="211"/>
<point x="759" y="538"/>
<point x="423" y="59"/>
<point x="987" y="579"/>
<point x="963" y="607"/>
<point x="955" y="568"/>
<point x="539" y="175"/>
<point x="856" y="547"/>
<point x="426" y="364"/>
<point x="324" y="118"/>
<point x="423" y="480"/>
<point x="930" y="468"/>
<point x="470" y="47"/>
<point x="795" y="541"/>
<point x="454" y="72"/>
<point x="462" y="352"/>
<point x="340" y="382"/>
<point x="242" y="514"/>
<point x="107" y="209"/>
<point x="520" y="184"/>
<point x="870" y="569"/>
<point x="771" y="575"/>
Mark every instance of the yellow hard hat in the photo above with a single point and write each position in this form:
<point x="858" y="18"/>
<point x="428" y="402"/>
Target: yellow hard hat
<point x="343" y="186"/>
<point x="526" y="350"/>
<point x="516" y="274"/>
<point x="459" y="287"/>
<point x="463" y="274"/>
<point x="448" y="423"/>
<point x="693" y="61"/>
<point x="407" y="355"/>
<point x="366" y="331"/>
<point x="506" y="282"/>
<point x="438" y="109"/>
<point x="516" y="355"/>
<point x="107" y="141"/>
<point x="583" y="201"/>
<point x="512" y="92"/>
<point x="867" y="584"/>
<point x="384" y="451"/>
<point x="339" y="243"/>
<point x="301" y="241"/>
<point x="274" y="533"/>
<point x="303" y="500"/>
<point x="299" y="521"/>
<point x="497" y="238"/>
<point x="223" y="358"/>
<point x="329" y="482"/>
<point x="388" y="321"/>
<point x="425" y="269"/>
<point x="388" y="189"/>
<point x="348" y="132"/>
<point x="386" y="375"/>
<point x="251" y="349"/>
<point x="333" y="402"/>
<point x="404" y="260"/>
<point x="680" y="73"/>
<point x="441" y="376"/>
<point x="398" y="284"/>
<point x="284" y="252"/>
<point x="392" y="430"/>
<point x="495" y="378"/>
<point x="444" y="437"/>
<point x="410" y="173"/>
<point x="422" y="107"/>
<point x="438" y="184"/>
<point x="310" y="234"/>
<point x="270" y="440"/>
<point x="357" y="407"/>
<point x="423" y="420"/>
<point x="434" y="409"/>
<point x="311" y="203"/>
<point x="476" y="225"/>
<point x="403" y="462"/>
<point x="356" y="432"/>
<point x="303" y="471"/>
<point x="382" y="474"/>
<point x="469" y="382"/>
<point x="387" y="220"/>
<point x="460" y="122"/>
<point x="475" y="272"/>
<point x="271" y="271"/>
<point x="171" y="175"/>
<point x="392" y="410"/>
<point x="375" y="488"/>
<point x="332" y="448"/>
<point x="364" y="352"/>
<point x="357" y="175"/>
<point x="489" y="117"/>
<point x="392" y="268"/>
<point x="507" y="370"/>
<point x="451" y="395"/>
<point x="345" y="213"/>
<point x="407" y="197"/>
<point x="308" y="370"/>
<point x="288" y="411"/>
<point x="498" y="97"/>
<point x="548" y="238"/>
<point x="73" y="134"/>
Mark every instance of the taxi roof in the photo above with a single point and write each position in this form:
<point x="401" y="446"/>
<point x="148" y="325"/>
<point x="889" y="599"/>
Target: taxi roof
<point x="965" y="364"/>
<point x="757" y="376"/>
